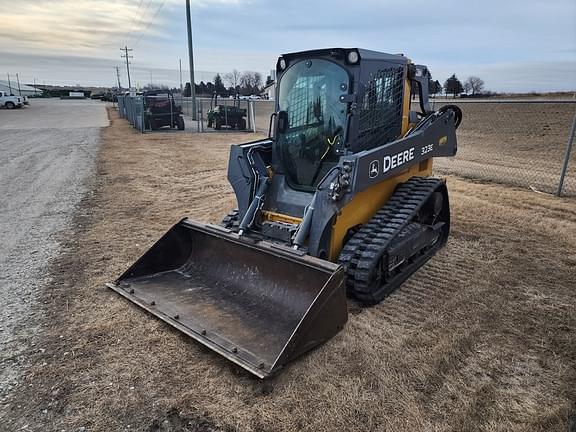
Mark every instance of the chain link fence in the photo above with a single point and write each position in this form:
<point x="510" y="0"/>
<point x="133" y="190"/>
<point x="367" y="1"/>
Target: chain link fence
<point x="517" y="142"/>
<point x="231" y="106"/>
<point x="131" y="108"/>
<point x="520" y="143"/>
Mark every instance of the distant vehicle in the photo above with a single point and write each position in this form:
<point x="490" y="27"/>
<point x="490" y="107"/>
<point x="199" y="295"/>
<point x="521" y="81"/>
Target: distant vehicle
<point x="10" y="101"/>
<point x="231" y="116"/>
<point x="25" y="100"/>
<point x="251" y="97"/>
<point x="74" y="95"/>
<point x="109" y="97"/>
<point x="160" y="109"/>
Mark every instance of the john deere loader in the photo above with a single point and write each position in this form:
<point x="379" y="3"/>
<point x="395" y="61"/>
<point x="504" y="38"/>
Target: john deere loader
<point x="338" y="201"/>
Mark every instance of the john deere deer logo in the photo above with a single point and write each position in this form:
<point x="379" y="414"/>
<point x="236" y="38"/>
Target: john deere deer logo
<point x="374" y="168"/>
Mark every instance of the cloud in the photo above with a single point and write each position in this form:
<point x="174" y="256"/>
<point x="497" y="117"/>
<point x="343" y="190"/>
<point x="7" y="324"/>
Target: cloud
<point x="513" y="45"/>
<point x="70" y="26"/>
<point x="84" y="26"/>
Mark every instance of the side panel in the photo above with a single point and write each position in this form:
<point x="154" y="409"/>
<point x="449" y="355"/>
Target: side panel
<point x="437" y="139"/>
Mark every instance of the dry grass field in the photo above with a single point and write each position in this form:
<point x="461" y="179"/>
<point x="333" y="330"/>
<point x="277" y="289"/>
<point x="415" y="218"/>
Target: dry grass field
<point x="520" y="144"/>
<point x="483" y="338"/>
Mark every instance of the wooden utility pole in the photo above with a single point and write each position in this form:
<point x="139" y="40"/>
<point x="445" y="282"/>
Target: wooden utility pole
<point x="118" y="77"/>
<point x="18" y="81"/>
<point x="127" y="57"/>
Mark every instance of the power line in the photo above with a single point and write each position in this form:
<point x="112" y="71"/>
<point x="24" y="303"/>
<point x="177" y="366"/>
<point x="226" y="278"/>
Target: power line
<point x="127" y="57"/>
<point x="140" y="19"/>
<point x="150" y="22"/>
<point x="134" y="19"/>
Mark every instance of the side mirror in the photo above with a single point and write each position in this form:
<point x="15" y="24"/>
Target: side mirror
<point x="282" y="122"/>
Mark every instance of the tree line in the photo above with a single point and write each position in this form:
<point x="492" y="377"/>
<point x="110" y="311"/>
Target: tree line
<point x="230" y="84"/>
<point x="472" y="86"/>
<point x="250" y="83"/>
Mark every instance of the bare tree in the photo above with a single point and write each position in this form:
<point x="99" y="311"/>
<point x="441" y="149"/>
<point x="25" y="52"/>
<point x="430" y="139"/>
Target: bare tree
<point x="245" y="80"/>
<point x="475" y="84"/>
<point x="250" y="82"/>
<point x="467" y="87"/>
<point x="256" y="80"/>
<point x="233" y="78"/>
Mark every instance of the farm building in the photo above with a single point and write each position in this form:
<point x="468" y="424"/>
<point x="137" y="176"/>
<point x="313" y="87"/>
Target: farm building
<point x="12" y="87"/>
<point x="269" y="90"/>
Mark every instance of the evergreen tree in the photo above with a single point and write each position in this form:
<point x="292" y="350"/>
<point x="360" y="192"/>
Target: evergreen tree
<point x="187" y="90"/>
<point x="434" y="87"/>
<point x="453" y="86"/>
<point x="219" y="85"/>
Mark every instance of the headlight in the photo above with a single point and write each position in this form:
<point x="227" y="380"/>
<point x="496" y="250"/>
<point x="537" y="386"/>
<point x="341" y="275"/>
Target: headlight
<point x="282" y="63"/>
<point x="353" y="57"/>
<point x="421" y="71"/>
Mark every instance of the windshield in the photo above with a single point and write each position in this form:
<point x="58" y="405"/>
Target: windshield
<point x="309" y="93"/>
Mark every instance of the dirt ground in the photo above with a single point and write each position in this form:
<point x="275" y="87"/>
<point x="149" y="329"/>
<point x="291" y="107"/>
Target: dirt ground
<point x="482" y="338"/>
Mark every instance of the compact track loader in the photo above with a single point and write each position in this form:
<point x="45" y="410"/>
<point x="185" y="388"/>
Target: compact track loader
<point x="340" y="199"/>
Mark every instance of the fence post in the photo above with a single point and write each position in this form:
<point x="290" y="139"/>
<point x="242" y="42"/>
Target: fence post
<point x="567" y="157"/>
<point x="252" y="116"/>
<point x="143" y="123"/>
<point x="199" y="119"/>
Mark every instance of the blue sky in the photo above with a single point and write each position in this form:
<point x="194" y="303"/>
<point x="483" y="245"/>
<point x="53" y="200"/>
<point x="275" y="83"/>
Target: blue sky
<point x="513" y="45"/>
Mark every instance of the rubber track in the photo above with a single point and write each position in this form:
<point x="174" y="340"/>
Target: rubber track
<point x="363" y="251"/>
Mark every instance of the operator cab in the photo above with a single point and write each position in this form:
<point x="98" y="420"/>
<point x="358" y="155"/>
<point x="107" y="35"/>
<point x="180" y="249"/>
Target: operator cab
<point x="323" y="97"/>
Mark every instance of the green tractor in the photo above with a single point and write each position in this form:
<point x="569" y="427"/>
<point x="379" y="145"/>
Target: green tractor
<point x="231" y="116"/>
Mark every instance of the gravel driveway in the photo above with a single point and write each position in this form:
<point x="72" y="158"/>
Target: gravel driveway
<point x="47" y="151"/>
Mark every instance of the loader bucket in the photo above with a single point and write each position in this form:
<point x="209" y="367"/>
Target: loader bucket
<point x="259" y="305"/>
